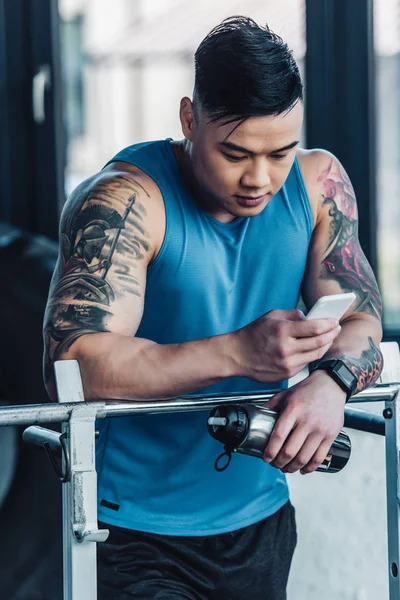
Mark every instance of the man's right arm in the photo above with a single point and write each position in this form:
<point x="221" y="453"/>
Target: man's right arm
<point x="107" y="241"/>
<point x="108" y="236"/>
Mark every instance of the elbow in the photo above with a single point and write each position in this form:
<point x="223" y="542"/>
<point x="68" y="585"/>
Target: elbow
<point x="62" y="352"/>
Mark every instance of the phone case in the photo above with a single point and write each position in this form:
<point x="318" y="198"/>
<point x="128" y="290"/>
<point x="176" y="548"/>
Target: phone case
<point x="331" y="307"/>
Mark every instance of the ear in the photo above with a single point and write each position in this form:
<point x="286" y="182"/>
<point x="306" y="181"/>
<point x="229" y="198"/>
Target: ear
<point x="186" y="115"/>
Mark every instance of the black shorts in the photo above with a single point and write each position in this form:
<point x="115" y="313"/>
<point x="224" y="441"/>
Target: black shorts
<point x="250" y="563"/>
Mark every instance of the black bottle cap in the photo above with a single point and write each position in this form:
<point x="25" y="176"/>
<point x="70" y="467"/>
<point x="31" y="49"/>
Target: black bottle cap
<point x="234" y="432"/>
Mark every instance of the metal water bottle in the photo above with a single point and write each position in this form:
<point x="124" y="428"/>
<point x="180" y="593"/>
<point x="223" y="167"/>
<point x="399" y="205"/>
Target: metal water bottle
<point x="246" y="428"/>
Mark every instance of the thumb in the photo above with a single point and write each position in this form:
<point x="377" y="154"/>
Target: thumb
<point x="275" y="402"/>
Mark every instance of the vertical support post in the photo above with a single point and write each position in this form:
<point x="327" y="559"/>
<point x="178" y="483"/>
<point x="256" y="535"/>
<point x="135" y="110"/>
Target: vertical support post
<point x="340" y="98"/>
<point x="80" y="532"/>
<point x="392" y="427"/>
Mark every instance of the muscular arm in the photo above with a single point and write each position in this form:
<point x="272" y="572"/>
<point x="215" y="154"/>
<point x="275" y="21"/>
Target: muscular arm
<point x="337" y="264"/>
<point x="107" y="240"/>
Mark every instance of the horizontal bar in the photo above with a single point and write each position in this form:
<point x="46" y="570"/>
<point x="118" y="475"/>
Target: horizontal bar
<point x="35" y="414"/>
<point x="363" y="420"/>
<point x="378" y="393"/>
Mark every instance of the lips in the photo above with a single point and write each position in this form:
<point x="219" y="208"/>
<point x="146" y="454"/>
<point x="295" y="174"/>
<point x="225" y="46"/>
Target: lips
<point x="250" y="200"/>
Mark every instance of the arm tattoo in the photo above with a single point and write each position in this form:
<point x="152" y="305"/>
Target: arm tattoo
<point x="344" y="260"/>
<point x="367" y="368"/>
<point x="105" y="232"/>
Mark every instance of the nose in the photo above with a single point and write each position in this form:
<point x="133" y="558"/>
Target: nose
<point x="256" y="175"/>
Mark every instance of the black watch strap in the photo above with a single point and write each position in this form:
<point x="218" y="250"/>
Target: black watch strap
<point x="340" y="373"/>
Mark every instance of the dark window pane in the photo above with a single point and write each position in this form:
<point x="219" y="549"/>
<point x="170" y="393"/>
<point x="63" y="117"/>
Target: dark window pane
<point x="387" y="55"/>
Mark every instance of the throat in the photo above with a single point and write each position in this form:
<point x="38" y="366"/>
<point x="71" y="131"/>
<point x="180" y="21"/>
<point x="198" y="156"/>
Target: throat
<point x="201" y="196"/>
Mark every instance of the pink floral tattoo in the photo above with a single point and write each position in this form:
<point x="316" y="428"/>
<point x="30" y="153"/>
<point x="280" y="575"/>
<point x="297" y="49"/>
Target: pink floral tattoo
<point x="344" y="259"/>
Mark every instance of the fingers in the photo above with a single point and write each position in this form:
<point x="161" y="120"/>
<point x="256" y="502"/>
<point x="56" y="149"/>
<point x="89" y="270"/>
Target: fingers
<point x="290" y="449"/>
<point x="317" y="458"/>
<point x="309" y="344"/>
<point x="274" y="402"/>
<point x="312" y="328"/>
<point x="293" y="364"/>
<point x="306" y="456"/>
<point x="281" y="431"/>
<point x="300" y="452"/>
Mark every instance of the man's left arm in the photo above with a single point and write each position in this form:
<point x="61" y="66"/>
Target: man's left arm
<point x="312" y="412"/>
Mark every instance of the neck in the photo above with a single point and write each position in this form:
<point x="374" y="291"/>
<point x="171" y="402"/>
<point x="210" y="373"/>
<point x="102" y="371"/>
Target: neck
<point x="182" y="151"/>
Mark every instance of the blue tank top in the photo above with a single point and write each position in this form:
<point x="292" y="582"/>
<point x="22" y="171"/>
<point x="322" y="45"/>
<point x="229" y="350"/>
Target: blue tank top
<point x="156" y="473"/>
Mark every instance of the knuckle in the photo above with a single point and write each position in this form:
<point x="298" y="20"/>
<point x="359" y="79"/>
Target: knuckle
<point x="321" y="429"/>
<point x="286" y="454"/>
<point x="278" y="434"/>
<point x="280" y="330"/>
<point x="292" y="370"/>
<point x="283" y="352"/>
<point x="287" y="371"/>
<point x="318" y="328"/>
<point x="315" y="463"/>
<point x="321" y="341"/>
<point x="301" y="461"/>
<point x="317" y="426"/>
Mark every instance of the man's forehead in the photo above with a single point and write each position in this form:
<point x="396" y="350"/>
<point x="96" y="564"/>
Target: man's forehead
<point x="270" y="131"/>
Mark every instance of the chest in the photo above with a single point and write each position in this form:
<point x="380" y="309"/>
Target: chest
<point x="244" y="270"/>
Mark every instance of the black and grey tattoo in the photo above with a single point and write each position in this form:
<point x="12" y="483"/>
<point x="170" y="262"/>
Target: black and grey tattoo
<point x="106" y="231"/>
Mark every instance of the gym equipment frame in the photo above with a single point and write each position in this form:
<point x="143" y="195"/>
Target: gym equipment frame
<point x="77" y="470"/>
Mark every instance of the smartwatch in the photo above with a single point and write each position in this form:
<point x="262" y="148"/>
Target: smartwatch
<point x="340" y="373"/>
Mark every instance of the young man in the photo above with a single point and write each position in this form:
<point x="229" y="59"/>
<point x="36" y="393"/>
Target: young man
<point x="180" y="269"/>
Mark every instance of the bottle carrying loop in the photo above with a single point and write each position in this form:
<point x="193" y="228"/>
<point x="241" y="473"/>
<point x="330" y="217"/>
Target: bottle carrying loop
<point x="228" y="453"/>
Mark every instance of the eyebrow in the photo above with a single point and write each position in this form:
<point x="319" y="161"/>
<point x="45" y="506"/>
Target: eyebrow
<point x="231" y="146"/>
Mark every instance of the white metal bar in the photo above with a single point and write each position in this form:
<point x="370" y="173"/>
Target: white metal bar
<point x="68" y="381"/>
<point x="392" y="438"/>
<point x="79" y="495"/>
<point x="34" y="414"/>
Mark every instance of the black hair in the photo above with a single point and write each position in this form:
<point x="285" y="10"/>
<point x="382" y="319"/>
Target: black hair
<point x="244" y="70"/>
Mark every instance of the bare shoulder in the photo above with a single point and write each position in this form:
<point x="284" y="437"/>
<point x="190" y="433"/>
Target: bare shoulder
<point x="117" y="192"/>
<point x="319" y="167"/>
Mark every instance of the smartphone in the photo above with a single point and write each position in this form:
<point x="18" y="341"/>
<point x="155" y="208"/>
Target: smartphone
<point x="331" y="307"/>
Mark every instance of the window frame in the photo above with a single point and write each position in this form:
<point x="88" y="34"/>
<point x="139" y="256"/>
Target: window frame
<point x="341" y="56"/>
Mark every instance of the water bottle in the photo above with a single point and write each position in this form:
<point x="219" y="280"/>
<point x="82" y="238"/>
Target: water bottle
<point x="246" y="428"/>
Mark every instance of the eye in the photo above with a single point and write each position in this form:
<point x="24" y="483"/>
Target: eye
<point x="278" y="156"/>
<point x="233" y="158"/>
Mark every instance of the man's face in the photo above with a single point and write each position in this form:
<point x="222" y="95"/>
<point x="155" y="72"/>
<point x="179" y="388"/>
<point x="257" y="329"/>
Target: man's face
<point x="238" y="168"/>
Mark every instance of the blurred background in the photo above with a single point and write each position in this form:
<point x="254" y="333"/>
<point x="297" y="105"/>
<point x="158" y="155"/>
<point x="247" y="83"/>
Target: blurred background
<point x="81" y="79"/>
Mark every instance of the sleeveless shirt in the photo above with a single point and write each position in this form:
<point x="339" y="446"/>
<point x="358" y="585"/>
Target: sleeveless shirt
<point x="156" y="472"/>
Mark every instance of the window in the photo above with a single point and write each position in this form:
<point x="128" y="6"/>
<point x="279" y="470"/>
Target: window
<point x="387" y="57"/>
<point x="128" y="64"/>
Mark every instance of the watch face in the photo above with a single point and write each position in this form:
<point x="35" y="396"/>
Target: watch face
<point x="346" y="375"/>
